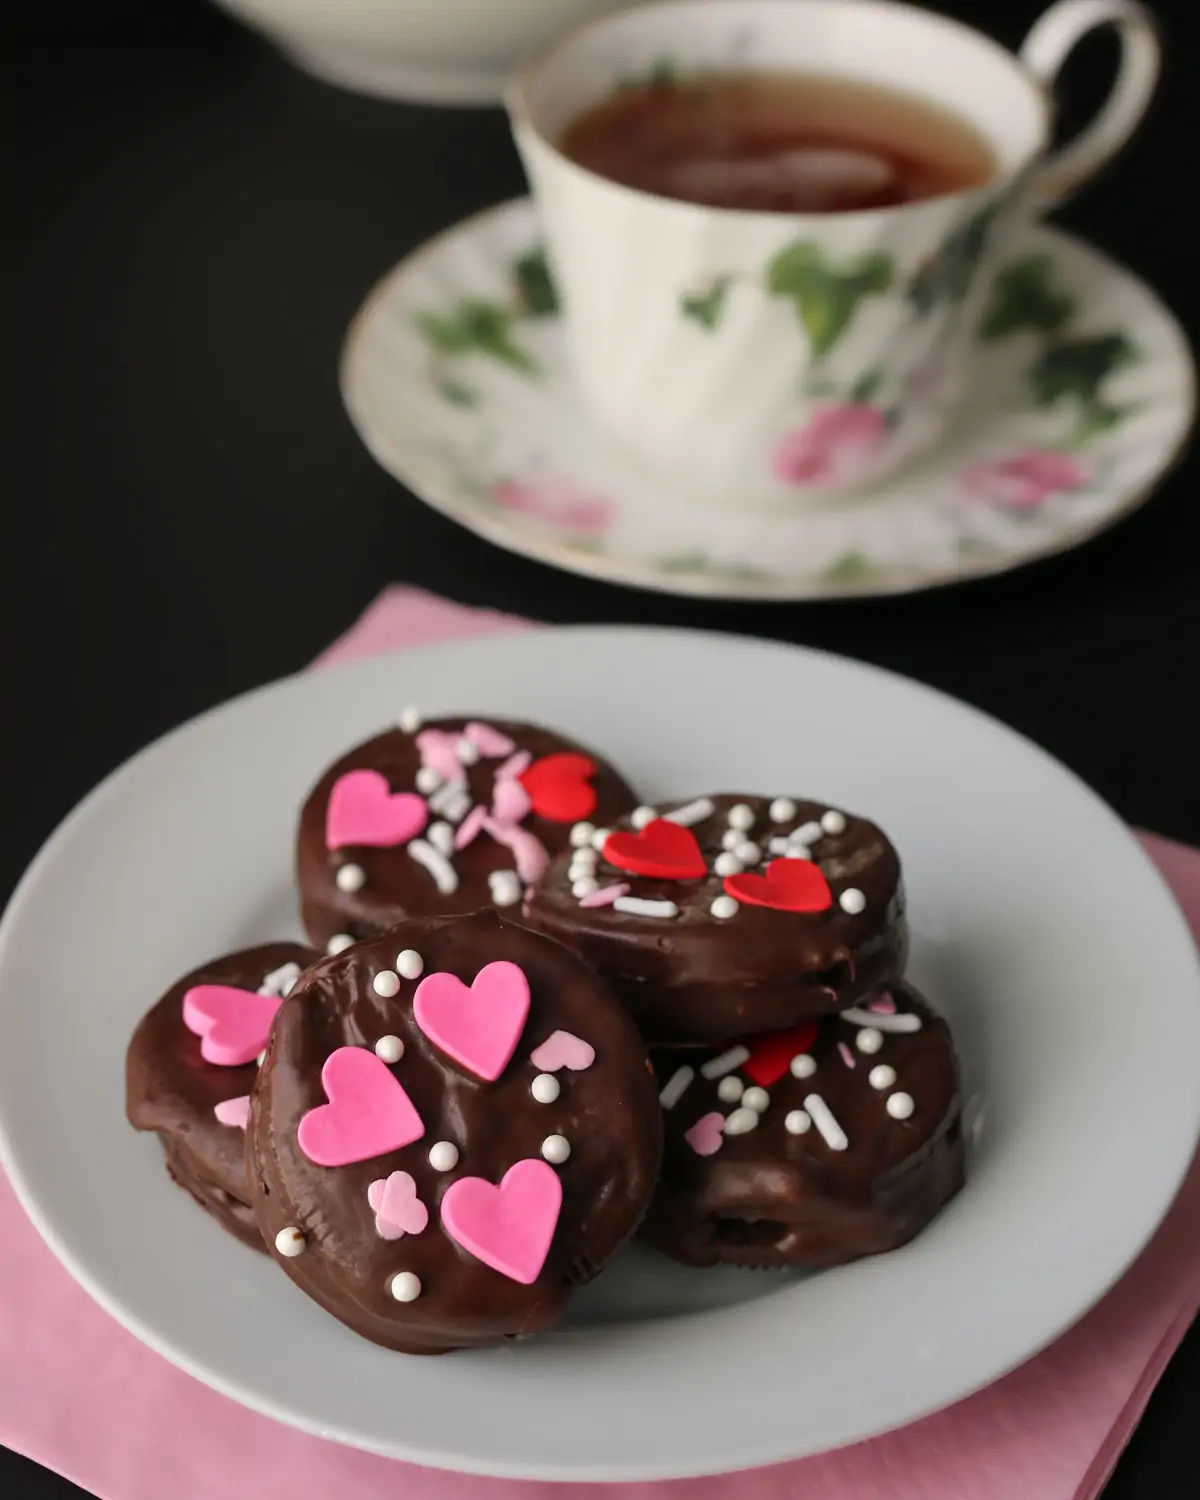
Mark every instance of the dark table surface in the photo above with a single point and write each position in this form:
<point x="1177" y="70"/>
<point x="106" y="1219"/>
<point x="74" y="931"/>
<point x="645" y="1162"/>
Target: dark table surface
<point x="188" y="513"/>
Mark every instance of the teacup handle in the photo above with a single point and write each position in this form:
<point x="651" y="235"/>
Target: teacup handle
<point x="1051" y="41"/>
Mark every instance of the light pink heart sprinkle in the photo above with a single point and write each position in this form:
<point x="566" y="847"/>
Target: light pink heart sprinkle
<point x="883" y="1004"/>
<point x="510" y="801"/>
<point x="439" y="751"/>
<point x="706" y="1134"/>
<point x="233" y="1025"/>
<point x="363" y="810"/>
<point x="605" y="896"/>
<point x="847" y="1055"/>
<point x="235" y="1112"/>
<point x="562" y="1049"/>
<point x="489" y="741"/>
<point x="398" y="1210"/>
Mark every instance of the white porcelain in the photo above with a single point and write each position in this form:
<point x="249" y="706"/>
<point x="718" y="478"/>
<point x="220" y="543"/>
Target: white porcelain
<point x="705" y="338"/>
<point x="1040" y="926"/>
<point x="1082" y="392"/>
<point x="426" y="51"/>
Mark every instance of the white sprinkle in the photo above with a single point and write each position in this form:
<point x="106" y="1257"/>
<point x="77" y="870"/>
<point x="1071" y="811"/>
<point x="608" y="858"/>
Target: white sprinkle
<point x="807" y="833"/>
<point x="691" y="812"/>
<point x="869" y="1039"/>
<point x="339" y="942"/>
<point x="798" y="851"/>
<point x="831" y="1132"/>
<point x="881" y="1076"/>
<point x="641" y="816"/>
<point x="717" y="1067"/>
<point x="730" y="1089"/>
<point x="779" y="846"/>
<point x="727" y="864"/>
<point x="781" y="810"/>
<point x="467" y="752"/>
<point x="584" y="886"/>
<point x="411" y="720"/>
<point x="756" y="1098"/>
<point x="803" y="1065"/>
<point x="900" y="1106"/>
<point x="584" y="859"/>
<point x="443" y="1156"/>
<point x="389" y="1049"/>
<point x="386" y="984"/>
<point x="409" y="964"/>
<point x="452" y="802"/>
<point x="441" y="836"/>
<point x="436" y="863"/>
<point x="724" y="907"/>
<point x="749" y="853"/>
<point x="675" y="1086"/>
<point x="636" y="907"/>
<point x="350" y="878"/>
<point x="740" y="816"/>
<point x="797" y="1121"/>
<point x="852" y="901"/>
<point x="290" y="1241"/>
<point x="599" y="836"/>
<point x="741" y="1121"/>
<point x="261" y="1058"/>
<point x="556" y="1149"/>
<point x="903" y="1022"/>
<point x="545" y="1088"/>
<point x="833" y="822"/>
<point x="405" y="1286"/>
<point x="505" y="886"/>
<point x="279" y="982"/>
<point x="427" y="780"/>
<point x="581" y="835"/>
<point x="731" y="838"/>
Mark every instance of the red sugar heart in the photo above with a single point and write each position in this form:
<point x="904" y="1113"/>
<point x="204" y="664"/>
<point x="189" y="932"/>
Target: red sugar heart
<point x="788" y="885"/>
<point x="662" y="848"/>
<point x="560" y="788"/>
<point x="772" y="1051"/>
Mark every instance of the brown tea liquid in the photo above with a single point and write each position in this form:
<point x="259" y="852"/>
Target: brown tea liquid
<point x="779" y="142"/>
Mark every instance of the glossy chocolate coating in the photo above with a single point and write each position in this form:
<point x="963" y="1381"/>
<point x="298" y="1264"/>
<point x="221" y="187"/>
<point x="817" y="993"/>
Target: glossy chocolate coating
<point x="696" y="978"/>
<point x="396" y="886"/>
<point x="171" y="1089"/>
<point x="769" y="1198"/>
<point x="608" y="1113"/>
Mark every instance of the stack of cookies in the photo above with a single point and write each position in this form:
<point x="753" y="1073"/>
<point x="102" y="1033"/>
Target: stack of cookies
<point x="547" y="1015"/>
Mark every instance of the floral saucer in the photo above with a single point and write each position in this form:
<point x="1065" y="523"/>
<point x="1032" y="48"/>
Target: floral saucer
<point x="455" y="374"/>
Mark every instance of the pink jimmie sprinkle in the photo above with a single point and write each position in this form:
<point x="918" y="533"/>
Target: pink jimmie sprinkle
<point x="883" y="1004"/>
<point x="605" y="896"/>
<point x="469" y="828"/>
<point x="514" y="765"/>
<point x="847" y="1055"/>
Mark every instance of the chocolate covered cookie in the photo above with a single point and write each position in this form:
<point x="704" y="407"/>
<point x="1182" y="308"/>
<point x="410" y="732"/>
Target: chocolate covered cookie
<point x="455" y="1124"/>
<point x="835" y="1139"/>
<point x="730" y="914"/>
<point x="190" y="1065"/>
<point x="441" y="817"/>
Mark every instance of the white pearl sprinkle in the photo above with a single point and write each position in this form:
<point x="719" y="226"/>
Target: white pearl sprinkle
<point x="386" y="984"/>
<point x="869" y="1039"/>
<point x="505" y="886"/>
<point x="731" y="838"/>
<point x="389" y="1049"/>
<point x="581" y="835"/>
<point x="900" y="1106"/>
<point x="852" y="901"/>
<point x="584" y="886"/>
<point x="427" y="780"/>
<point x="467" y="752"/>
<point x="441" y="836"/>
<point x="405" y="1286"/>
<point x="727" y="864"/>
<point x="798" y="851"/>
<point x="724" y="907"/>
<point x="350" y="878"/>
<point x="584" y="859"/>
<point x="781" y="810"/>
<point x="740" y="816"/>
<point x="600" y="838"/>
<point x="443" y="1156"/>
<point x="881" y="1076"/>
<point x="641" y="816"/>
<point x="409" y="964"/>
<point x="803" y="1065"/>
<point x="730" y="1089"/>
<point x="749" y="853"/>
<point x="756" y="1099"/>
<point x="411" y="720"/>
<point x="741" y="1121"/>
<point x="290" y="1241"/>
<point x="833" y="822"/>
<point x="807" y="833"/>
<point x="545" y="1088"/>
<point x="797" y="1121"/>
<point x="338" y="943"/>
<point x="556" y="1149"/>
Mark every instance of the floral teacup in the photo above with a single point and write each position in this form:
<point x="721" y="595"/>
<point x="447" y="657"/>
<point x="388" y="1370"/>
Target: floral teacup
<point x="822" y="350"/>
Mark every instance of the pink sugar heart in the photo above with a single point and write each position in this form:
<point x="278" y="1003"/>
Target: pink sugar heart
<point x="478" y="1026"/>
<point x="439" y="752"/>
<point x="235" y="1112"/>
<point x="362" y="810"/>
<point x="368" y="1113"/>
<point x="508" y="1227"/>
<point x="233" y="1025"/>
<point x="489" y="741"/>
<point x="510" y="802"/>
<point x="706" y="1134"/>
<point x="561" y="1049"/>
<point x="398" y="1210"/>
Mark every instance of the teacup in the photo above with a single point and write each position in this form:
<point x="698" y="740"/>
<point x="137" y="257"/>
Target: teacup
<point x="781" y="353"/>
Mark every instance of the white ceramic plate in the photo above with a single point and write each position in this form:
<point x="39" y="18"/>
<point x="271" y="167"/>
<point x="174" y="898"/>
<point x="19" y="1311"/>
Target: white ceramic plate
<point x="1041" y="928"/>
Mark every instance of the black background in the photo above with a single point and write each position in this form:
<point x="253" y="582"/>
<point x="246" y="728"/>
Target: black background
<point x="189" y="227"/>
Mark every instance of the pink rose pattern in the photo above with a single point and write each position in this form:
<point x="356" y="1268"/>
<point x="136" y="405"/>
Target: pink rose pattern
<point x="1024" y="481"/>
<point x="838" y="445"/>
<point x="558" y="502"/>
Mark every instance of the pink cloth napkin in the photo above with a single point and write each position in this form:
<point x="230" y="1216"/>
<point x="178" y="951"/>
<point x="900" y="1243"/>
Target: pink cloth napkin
<point x="82" y="1396"/>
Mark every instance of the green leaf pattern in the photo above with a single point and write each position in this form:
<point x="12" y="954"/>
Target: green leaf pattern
<point x="826" y="296"/>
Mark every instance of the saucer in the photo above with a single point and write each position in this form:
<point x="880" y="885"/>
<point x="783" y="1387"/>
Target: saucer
<point x="455" y="374"/>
